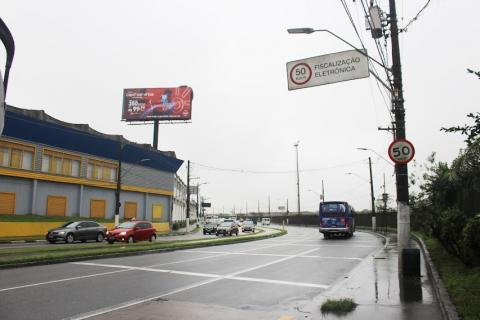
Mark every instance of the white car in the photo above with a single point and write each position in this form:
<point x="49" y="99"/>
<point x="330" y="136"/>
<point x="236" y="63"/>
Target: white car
<point x="266" y="221"/>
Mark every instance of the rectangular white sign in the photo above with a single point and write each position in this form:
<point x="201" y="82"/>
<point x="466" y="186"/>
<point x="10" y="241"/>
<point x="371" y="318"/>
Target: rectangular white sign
<point x="329" y="68"/>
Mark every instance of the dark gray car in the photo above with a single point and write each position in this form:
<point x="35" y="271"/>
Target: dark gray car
<point x="77" y="231"/>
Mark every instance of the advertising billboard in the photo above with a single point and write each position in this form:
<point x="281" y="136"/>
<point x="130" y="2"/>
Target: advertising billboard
<point x="157" y="104"/>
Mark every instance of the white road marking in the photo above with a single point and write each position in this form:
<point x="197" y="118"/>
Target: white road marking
<point x="273" y="255"/>
<point x="62" y="280"/>
<point x="186" y="288"/>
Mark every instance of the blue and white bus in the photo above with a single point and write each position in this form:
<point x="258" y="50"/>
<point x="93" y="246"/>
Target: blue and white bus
<point x="336" y="218"/>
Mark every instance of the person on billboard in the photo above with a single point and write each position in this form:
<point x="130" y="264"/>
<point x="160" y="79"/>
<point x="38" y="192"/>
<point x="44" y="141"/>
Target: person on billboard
<point x="165" y="106"/>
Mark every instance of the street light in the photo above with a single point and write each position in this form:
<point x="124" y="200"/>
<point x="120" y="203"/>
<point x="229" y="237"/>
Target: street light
<point x="368" y="149"/>
<point x="311" y="30"/>
<point x="298" y="178"/>
<point x="119" y="183"/>
<point x="198" y="191"/>
<point x="357" y="175"/>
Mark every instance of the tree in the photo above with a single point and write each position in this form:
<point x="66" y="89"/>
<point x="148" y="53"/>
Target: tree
<point x="472" y="132"/>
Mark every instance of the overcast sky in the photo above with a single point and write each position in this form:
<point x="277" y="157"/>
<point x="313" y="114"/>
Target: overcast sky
<point x="74" y="58"/>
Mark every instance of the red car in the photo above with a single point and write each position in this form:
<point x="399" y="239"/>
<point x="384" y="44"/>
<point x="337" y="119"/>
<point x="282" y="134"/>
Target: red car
<point x="131" y="231"/>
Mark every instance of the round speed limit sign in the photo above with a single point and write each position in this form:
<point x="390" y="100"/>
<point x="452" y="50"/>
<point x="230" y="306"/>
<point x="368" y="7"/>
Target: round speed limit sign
<point x="401" y="151"/>
<point x="301" y="73"/>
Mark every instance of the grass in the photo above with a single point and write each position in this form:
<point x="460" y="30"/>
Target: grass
<point x="461" y="282"/>
<point x="340" y="306"/>
<point x="58" y="253"/>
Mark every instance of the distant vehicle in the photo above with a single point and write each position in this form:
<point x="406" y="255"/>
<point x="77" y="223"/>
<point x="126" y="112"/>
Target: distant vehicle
<point x="248" y="226"/>
<point x="266" y="221"/>
<point x="336" y="218"/>
<point x="210" y="227"/>
<point x="131" y="231"/>
<point x="229" y="228"/>
<point x="77" y="231"/>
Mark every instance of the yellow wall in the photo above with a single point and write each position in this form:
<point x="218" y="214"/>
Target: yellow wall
<point x="25" y="229"/>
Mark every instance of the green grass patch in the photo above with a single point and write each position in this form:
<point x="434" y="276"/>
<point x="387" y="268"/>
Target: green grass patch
<point x="340" y="306"/>
<point x="60" y="252"/>
<point x="461" y="282"/>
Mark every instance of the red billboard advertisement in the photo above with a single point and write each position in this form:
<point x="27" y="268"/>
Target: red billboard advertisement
<point x="157" y="104"/>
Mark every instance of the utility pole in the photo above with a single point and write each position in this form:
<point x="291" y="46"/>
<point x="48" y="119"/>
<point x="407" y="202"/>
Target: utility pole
<point x="372" y="195"/>
<point x="188" y="194"/>
<point x="401" y="170"/>
<point x="287" y="211"/>
<point x="298" y="179"/>
<point x="269" y="213"/>
<point x="323" y="192"/>
<point x="118" y="204"/>
<point x="385" y="200"/>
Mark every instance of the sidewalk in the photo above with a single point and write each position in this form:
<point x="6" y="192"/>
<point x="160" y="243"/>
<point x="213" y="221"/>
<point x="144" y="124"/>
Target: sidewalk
<point x="379" y="291"/>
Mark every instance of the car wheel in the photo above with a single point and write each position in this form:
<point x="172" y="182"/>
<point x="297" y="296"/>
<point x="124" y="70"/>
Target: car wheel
<point x="152" y="238"/>
<point x="100" y="237"/>
<point x="130" y="239"/>
<point x="204" y="232"/>
<point x="236" y="233"/>
<point x="217" y="234"/>
<point x="70" y="238"/>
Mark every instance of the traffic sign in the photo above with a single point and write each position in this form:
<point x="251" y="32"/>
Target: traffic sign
<point x="401" y="151"/>
<point x="329" y="68"/>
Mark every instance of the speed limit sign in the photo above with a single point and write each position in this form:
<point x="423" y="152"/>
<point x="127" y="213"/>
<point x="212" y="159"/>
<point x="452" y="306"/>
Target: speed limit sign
<point x="401" y="151"/>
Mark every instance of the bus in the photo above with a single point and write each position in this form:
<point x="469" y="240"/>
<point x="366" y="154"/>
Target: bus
<point x="336" y="218"/>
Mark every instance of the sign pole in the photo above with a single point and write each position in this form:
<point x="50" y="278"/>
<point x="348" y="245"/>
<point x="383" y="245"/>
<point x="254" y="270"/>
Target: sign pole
<point x="155" y="134"/>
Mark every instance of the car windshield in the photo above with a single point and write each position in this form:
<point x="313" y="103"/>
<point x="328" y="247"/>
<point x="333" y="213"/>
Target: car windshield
<point x="70" y="224"/>
<point x="226" y="224"/>
<point x="126" y="225"/>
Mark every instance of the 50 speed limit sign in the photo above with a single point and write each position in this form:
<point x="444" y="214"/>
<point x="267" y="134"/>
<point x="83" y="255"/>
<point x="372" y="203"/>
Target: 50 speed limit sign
<point x="401" y="151"/>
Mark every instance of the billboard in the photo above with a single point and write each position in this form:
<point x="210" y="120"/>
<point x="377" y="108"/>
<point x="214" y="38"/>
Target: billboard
<point x="157" y="104"/>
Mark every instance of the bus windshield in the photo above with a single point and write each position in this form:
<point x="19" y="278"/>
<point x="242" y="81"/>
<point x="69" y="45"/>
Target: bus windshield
<point x="332" y="209"/>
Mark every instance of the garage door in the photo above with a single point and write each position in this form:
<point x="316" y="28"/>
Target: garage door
<point x="97" y="208"/>
<point x="130" y="210"/>
<point x="56" y="206"/>
<point x="7" y="203"/>
<point x="157" y="212"/>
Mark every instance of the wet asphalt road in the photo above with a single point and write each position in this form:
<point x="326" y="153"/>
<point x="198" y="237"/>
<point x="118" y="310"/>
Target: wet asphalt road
<point x="260" y="275"/>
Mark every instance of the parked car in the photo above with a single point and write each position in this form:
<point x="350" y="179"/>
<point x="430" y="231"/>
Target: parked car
<point x="131" y="231"/>
<point x="77" y="231"/>
<point x="266" y="221"/>
<point x="229" y="228"/>
<point x="248" y="226"/>
<point x="210" y="227"/>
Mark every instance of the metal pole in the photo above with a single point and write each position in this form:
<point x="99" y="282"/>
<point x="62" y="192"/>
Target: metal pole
<point x="323" y="192"/>
<point x="198" y="207"/>
<point x="155" y="134"/>
<point x="298" y="180"/>
<point x="188" y="195"/>
<point x="372" y="195"/>
<point x="269" y="213"/>
<point x="401" y="170"/>
<point x="119" y="185"/>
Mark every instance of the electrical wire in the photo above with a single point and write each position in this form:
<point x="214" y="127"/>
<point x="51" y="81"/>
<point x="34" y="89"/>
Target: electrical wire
<point x="244" y="171"/>
<point x="405" y="29"/>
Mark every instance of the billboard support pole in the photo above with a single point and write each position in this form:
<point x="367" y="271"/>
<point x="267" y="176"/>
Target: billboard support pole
<point x="155" y="134"/>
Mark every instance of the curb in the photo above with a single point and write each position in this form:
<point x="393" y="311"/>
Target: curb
<point x="447" y="308"/>
<point x="133" y="253"/>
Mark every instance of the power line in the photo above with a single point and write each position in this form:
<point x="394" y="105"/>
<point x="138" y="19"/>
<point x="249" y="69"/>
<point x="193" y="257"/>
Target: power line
<point x="405" y="29"/>
<point x="245" y="171"/>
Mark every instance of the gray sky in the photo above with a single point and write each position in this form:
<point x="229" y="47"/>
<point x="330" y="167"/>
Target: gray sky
<point x="73" y="59"/>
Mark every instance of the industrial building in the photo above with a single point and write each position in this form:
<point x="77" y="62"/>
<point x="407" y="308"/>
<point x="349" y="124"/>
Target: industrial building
<point x="54" y="168"/>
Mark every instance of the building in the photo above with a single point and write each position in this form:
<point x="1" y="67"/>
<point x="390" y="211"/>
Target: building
<point x="179" y="212"/>
<point x="52" y="168"/>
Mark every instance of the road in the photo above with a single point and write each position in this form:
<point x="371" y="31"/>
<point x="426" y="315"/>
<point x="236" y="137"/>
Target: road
<point x="264" y="275"/>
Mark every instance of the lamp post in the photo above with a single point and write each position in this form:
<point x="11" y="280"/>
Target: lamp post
<point x="118" y="204"/>
<point x="198" y="191"/>
<point x="379" y="155"/>
<point x="298" y="178"/>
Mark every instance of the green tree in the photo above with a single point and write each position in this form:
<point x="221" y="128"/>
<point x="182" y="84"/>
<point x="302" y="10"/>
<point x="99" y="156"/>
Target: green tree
<point x="471" y="131"/>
